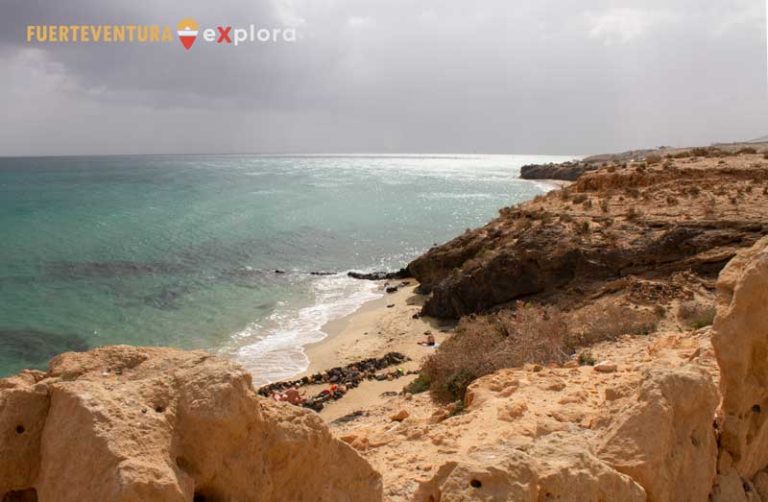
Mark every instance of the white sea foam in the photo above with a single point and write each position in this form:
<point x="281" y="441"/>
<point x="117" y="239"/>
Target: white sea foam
<point x="545" y="186"/>
<point x="274" y="349"/>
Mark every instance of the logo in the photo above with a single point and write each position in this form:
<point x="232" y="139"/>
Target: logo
<point x="187" y="31"/>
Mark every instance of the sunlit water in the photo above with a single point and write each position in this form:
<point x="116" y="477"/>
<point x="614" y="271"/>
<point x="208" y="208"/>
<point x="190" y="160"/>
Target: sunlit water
<point x="182" y="250"/>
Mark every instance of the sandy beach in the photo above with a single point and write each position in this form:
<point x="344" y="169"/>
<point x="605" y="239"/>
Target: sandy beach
<point x="380" y="326"/>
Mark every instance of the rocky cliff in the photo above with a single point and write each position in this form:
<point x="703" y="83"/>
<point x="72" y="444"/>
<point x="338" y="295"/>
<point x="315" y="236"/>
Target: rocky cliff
<point x="649" y="221"/>
<point x="139" y="424"/>
<point x="671" y="418"/>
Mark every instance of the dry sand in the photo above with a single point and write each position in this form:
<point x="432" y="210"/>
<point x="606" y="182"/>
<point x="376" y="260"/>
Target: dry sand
<point x="380" y="326"/>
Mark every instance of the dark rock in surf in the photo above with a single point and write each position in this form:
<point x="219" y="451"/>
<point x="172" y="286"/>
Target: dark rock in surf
<point x="403" y="273"/>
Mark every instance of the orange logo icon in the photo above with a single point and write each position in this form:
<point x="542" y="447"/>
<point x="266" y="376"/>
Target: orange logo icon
<point x="187" y="31"/>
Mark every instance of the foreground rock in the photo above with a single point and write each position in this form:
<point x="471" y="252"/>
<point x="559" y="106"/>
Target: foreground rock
<point x="559" y="433"/>
<point x="741" y="344"/>
<point x="664" y="439"/>
<point x="137" y="424"/>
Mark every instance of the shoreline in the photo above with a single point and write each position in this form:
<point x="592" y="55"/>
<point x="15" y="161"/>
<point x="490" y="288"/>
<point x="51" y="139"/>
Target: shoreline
<point x="379" y="326"/>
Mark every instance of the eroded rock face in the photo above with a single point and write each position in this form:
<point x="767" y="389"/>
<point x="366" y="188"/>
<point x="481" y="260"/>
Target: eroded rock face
<point x="664" y="438"/>
<point x="740" y="339"/>
<point x="136" y="424"/>
<point x="556" y="468"/>
<point x="646" y="222"/>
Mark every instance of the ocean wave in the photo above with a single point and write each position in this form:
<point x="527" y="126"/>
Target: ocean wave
<point x="274" y="348"/>
<point x="450" y="195"/>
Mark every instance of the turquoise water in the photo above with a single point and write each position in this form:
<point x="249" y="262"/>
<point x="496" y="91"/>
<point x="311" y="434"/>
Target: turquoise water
<point x="182" y="250"/>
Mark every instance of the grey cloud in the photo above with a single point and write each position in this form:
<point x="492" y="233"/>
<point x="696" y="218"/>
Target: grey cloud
<point x="429" y="76"/>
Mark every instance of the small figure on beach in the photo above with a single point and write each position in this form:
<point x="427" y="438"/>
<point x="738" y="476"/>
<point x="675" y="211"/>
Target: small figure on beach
<point x="294" y="397"/>
<point x="430" y="340"/>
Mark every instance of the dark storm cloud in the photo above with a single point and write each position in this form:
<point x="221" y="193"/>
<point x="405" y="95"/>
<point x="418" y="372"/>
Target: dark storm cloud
<point x="366" y="75"/>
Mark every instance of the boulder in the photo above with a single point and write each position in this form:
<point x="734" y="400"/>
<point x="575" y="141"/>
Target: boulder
<point x="664" y="438"/>
<point x="740" y="340"/>
<point x="135" y="424"/>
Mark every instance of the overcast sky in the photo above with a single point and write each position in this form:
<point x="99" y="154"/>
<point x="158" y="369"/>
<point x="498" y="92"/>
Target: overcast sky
<point x="487" y="76"/>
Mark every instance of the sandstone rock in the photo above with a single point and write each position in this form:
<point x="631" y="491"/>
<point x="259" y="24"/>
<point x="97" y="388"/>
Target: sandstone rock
<point x="740" y="339"/>
<point x="135" y="424"/>
<point x="555" y="468"/>
<point x="399" y="416"/>
<point x="664" y="439"/>
<point x="605" y="367"/>
<point x="761" y="484"/>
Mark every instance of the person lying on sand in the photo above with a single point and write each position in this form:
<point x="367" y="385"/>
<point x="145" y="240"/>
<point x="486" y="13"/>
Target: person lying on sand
<point x="430" y="341"/>
<point x="294" y="397"/>
<point x="291" y="395"/>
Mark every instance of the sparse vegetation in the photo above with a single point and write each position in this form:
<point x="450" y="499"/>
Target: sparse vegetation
<point x="696" y="315"/>
<point x="653" y="159"/>
<point x="421" y="384"/>
<point x="528" y="334"/>
<point x="586" y="358"/>
<point x="483" y="344"/>
<point x="710" y="207"/>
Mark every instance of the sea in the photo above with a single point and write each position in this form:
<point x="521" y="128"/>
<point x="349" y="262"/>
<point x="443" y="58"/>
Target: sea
<point x="222" y="252"/>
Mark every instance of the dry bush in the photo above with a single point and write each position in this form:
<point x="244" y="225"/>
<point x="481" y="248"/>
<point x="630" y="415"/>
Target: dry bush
<point x="696" y="315"/>
<point x="579" y="198"/>
<point x="604" y="205"/>
<point x="710" y="208"/>
<point x="529" y="334"/>
<point x="747" y="150"/>
<point x="671" y="200"/>
<point x="599" y="323"/>
<point x="484" y="344"/>
<point x="583" y="228"/>
<point x="653" y="159"/>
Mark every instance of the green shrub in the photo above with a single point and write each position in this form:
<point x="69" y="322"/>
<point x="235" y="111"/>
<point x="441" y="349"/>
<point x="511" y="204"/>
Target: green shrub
<point x="421" y="384"/>
<point x="586" y="358"/>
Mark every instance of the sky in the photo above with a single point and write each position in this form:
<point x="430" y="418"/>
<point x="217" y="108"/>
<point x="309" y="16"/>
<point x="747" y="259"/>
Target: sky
<point x="389" y="76"/>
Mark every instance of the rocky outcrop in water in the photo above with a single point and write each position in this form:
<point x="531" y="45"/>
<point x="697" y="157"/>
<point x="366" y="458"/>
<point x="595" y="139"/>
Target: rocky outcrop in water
<point x="567" y="171"/>
<point x="403" y="273"/>
<point x="137" y="424"/>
